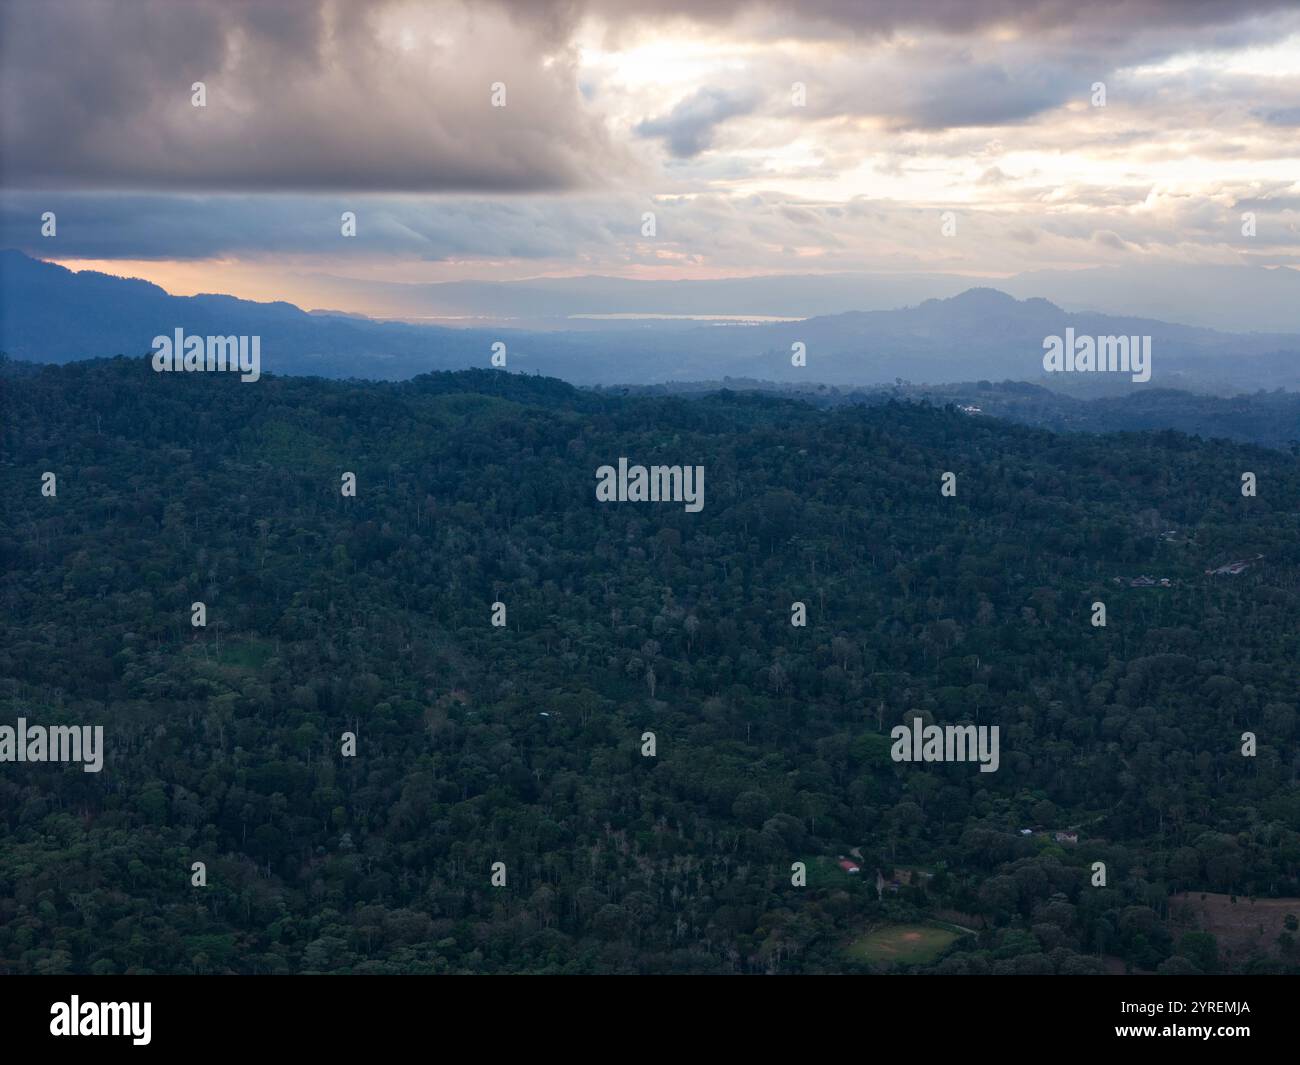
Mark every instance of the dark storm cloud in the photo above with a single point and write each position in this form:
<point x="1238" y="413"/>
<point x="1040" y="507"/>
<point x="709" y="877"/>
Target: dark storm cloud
<point x="986" y="95"/>
<point x="1092" y="19"/>
<point x="688" y="128"/>
<point x="387" y="96"/>
<point x="301" y="94"/>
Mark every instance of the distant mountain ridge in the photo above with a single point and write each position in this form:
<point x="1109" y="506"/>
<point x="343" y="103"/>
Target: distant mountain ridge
<point x="51" y="314"/>
<point x="1229" y="298"/>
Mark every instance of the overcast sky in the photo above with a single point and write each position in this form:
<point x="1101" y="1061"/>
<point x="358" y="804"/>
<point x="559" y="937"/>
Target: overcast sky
<point x="911" y="108"/>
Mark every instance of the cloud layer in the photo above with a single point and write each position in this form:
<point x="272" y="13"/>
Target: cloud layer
<point x="300" y="95"/>
<point x="765" y="137"/>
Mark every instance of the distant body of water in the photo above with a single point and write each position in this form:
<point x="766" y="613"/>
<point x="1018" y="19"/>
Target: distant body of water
<point x="624" y="316"/>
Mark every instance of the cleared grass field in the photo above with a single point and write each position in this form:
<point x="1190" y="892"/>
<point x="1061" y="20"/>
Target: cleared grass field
<point x="911" y="944"/>
<point x="1241" y="925"/>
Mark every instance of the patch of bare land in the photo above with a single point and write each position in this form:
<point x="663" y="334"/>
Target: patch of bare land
<point x="1242" y="927"/>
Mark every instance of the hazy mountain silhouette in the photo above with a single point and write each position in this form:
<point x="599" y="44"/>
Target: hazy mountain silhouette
<point x="1231" y="298"/>
<point x="51" y="314"/>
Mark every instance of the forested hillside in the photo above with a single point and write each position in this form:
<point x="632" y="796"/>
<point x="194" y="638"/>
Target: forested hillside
<point x="523" y="744"/>
<point x="1269" y="418"/>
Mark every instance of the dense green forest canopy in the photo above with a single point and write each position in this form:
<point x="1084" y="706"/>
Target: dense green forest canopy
<point x="522" y="744"/>
<point x="1269" y="418"/>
